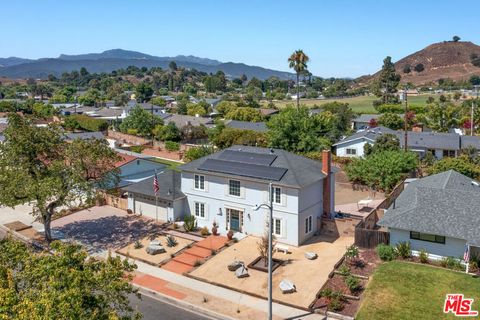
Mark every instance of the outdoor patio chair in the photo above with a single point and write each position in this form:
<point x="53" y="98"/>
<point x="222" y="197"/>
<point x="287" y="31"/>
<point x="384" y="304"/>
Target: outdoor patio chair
<point x="280" y="247"/>
<point x="287" y="286"/>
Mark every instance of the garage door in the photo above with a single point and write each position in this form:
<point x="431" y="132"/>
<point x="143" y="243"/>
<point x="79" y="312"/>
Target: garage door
<point x="148" y="210"/>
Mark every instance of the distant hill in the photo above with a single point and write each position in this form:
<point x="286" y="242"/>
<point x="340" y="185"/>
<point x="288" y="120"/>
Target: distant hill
<point x="447" y="59"/>
<point x="110" y="60"/>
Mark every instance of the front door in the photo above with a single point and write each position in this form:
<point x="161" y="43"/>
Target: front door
<point x="235" y="219"/>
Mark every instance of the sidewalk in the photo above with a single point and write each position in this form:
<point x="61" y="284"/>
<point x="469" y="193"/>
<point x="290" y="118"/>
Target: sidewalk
<point x="237" y="298"/>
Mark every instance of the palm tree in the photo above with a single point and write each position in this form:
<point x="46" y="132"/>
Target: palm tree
<point x="298" y="62"/>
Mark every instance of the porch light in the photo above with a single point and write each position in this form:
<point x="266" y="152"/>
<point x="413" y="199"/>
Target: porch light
<point x="219" y="212"/>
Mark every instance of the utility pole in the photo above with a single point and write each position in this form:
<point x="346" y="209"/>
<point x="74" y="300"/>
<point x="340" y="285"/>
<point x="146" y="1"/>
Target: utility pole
<point x="471" y="119"/>
<point x="405" y="118"/>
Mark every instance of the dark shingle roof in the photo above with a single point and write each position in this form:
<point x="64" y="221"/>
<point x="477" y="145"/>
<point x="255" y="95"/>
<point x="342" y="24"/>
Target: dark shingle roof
<point x="300" y="170"/>
<point x="84" y="135"/>
<point x="246" y="125"/>
<point x="370" y="134"/>
<point x="365" y="118"/>
<point x="445" y="204"/>
<point x="169" y="186"/>
<point x="470" y="141"/>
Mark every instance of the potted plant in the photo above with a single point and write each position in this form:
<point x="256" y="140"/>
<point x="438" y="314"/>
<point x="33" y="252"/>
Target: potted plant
<point x="230" y="234"/>
<point x="215" y="229"/>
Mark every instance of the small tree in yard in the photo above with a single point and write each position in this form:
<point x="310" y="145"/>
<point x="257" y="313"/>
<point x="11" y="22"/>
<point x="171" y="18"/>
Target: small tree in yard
<point x="262" y="245"/>
<point x="38" y="167"/>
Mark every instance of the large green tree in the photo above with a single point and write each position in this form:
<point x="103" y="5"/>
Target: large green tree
<point x="295" y="130"/>
<point x="39" y="167"/>
<point x="386" y="84"/>
<point x="65" y="285"/>
<point x="391" y="120"/>
<point x="140" y="120"/>
<point x="298" y="61"/>
<point x="462" y="164"/>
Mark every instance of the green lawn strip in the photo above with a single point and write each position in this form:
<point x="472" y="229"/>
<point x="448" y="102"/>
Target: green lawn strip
<point x="170" y="164"/>
<point x="401" y="290"/>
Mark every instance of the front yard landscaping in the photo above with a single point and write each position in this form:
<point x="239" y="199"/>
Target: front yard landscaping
<point x="403" y="290"/>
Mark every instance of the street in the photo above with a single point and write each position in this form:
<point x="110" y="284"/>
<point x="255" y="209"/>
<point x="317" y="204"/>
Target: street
<point x="153" y="309"/>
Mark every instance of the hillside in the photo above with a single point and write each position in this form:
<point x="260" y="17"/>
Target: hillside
<point x="440" y="60"/>
<point x="115" y="59"/>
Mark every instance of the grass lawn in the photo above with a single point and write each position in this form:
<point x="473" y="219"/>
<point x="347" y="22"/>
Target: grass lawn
<point x="170" y="164"/>
<point x="401" y="290"/>
<point x="362" y="104"/>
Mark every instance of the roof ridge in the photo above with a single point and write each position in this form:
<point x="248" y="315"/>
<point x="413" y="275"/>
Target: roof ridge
<point x="449" y="173"/>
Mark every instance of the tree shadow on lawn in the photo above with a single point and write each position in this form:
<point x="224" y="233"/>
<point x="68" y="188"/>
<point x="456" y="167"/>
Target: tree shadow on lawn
<point x="109" y="232"/>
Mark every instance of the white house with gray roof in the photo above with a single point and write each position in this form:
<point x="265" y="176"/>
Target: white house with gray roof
<point x="439" y="144"/>
<point x="439" y="213"/>
<point x="247" y="125"/>
<point x="225" y="186"/>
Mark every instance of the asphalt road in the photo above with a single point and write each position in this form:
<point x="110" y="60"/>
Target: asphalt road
<point x="153" y="309"/>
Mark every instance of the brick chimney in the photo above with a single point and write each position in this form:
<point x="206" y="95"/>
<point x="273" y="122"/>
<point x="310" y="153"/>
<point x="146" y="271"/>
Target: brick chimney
<point x="327" y="190"/>
<point x="417" y="127"/>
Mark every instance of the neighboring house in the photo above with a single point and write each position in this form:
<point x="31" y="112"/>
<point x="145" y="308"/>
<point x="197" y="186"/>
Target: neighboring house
<point x="84" y="135"/>
<point x="439" y="144"/>
<point x="156" y="110"/>
<point x="363" y="121"/>
<point x="132" y="170"/>
<point x="439" y="213"/>
<point x="225" y="186"/>
<point x="166" y="205"/>
<point x="181" y="120"/>
<point x="268" y="112"/>
<point x="246" y="125"/>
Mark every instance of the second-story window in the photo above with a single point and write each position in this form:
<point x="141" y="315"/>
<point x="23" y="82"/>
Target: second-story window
<point x="277" y="195"/>
<point x="199" y="182"/>
<point x="234" y="188"/>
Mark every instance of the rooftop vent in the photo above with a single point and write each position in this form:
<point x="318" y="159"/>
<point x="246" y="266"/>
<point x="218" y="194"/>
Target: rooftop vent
<point x="272" y="151"/>
<point x="475" y="183"/>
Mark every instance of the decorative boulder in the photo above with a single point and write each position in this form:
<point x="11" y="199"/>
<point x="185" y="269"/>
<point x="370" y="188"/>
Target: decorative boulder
<point x="234" y="265"/>
<point x="155" y="249"/>
<point x="155" y="242"/>
<point x="311" y="255"/>
<point x="241" y="272"/>
<point x="287" y="286"/>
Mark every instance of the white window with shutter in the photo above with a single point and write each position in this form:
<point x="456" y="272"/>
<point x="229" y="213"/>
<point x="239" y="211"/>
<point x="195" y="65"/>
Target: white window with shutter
<point x="277" y="227"/>
<point x="200" y="210"/>
<point x="199" y="182"/>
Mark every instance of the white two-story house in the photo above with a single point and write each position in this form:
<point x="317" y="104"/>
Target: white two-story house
<point x="224" y="188"/>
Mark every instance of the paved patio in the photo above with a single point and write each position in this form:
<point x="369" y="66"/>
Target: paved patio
<point x="103" y="228"/>
<point x="356" y="209"/>
<point x="308" y="275"/>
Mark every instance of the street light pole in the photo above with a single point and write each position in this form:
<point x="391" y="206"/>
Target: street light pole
<point x="270" y="245"/>
<point x="471" y="119"/>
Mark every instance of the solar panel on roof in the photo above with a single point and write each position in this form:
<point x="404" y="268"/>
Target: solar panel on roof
<point x="248" y="157"/>
<point x="243" y="169"/>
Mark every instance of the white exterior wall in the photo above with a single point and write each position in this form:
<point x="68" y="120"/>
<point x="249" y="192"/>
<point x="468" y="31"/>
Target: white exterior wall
<point x="341" y="149"/>
<point x="216" y="199"/>
<point x="452" y="247"/>
<point x="438" y="154"/>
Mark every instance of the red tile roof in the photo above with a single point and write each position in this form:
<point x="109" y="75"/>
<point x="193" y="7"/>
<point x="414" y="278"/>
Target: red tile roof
<point x="125" y="158"/>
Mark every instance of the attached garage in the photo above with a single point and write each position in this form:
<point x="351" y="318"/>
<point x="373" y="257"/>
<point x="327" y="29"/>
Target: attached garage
<point x="146" y="207"/>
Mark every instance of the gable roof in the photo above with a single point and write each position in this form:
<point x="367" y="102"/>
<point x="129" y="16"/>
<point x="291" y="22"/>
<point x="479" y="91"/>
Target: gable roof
<point x="446" y="204"/>
<point x="84" y="135"/>
<point x="181" y="120"/>
<point x="169" y="186"/>
<point x="300" y="171"/>
<point x="369" y="134"/>
<point x="246" y="125"/>
<point x="366" y="117"/>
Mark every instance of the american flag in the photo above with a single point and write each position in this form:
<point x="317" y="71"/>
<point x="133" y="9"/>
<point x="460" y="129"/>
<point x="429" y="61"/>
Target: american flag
<point x="155" y="184"/>
<point x="466" y="255"/>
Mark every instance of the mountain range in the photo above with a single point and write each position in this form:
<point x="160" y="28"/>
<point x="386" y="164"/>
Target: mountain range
<point x="107" y="61"/>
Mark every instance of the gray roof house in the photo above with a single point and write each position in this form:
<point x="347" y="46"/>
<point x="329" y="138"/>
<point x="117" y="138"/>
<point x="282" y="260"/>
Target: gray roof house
<point x="165" y="205"/>
<point x="439" y="213"/>
<point x="246" y="125"/>
<point x="181" y="120"/>
<point x="84" y="135"/>
<point x="440" y="144"/>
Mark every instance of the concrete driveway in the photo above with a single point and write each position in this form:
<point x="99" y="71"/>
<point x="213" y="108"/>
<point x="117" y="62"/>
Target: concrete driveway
<point x="20" y="213"/>
<point x="104" y="228"/>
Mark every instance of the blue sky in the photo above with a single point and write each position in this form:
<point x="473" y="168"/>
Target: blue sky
<point x="342" y="38"/>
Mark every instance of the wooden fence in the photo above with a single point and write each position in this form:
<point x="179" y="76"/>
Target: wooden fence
<point x="370" y="238"/>
<point x="120" y="203"/>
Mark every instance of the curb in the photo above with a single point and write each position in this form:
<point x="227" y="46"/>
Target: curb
<point x="182" y="304"/>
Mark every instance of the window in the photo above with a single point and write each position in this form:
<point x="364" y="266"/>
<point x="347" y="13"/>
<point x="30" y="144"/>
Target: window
<point x="308" y="225"/>
<point x="277" y="195"/>
<point x="234" y="188"/>
<point x="351" y="151"/>
<point x="427" y="237"/>
<point x="277" y="227"/>
<point x="200" y="210"/>
<point x="449" y="153"/>
<point x="199" y="182"/>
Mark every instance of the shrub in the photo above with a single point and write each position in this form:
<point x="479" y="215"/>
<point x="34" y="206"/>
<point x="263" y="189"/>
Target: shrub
<point x="451" y="263"/>
<point x="138" y="244"/>
<point x="171" y="241"/>
<point x="327" y="293"/>
<point x="132" y="131"/>
<point x="352" y="252"/>
<point x="344" y="270"/>
<point x="204" y="231"/>
<point x="172" y="146"/>
<point x="336" y="303"/>
<point x="197" y="263"/>
<point x="137" y="149"/>
<point x="189" y="223"/>
<point x="385" y="252"/>
<point x="90" y="124"/>
<point x="175" y="225"/>
<point x="423" y="256"/>
<point x="352" y="283"/>
<point x="403" y="249"/>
